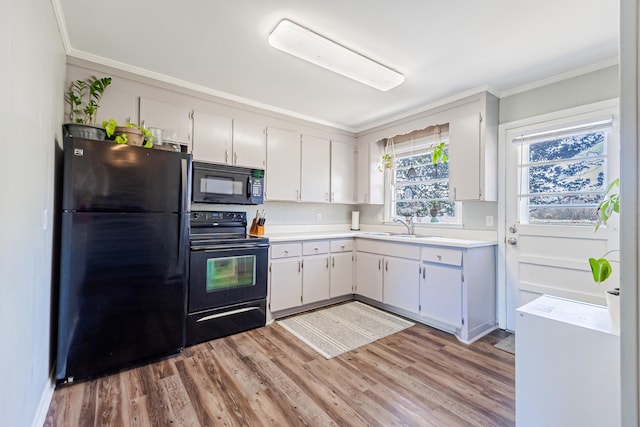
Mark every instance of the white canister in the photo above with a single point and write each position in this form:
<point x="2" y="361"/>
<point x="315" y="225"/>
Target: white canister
<point x="355" y="220"/>
<point x="157" y="134"/>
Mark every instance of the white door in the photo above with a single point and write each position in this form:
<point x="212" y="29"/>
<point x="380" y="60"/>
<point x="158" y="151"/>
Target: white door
<point x="314" y="173"/>
<point x="283" y="165"/>
<point x="249" y="145"/>
<point x="315" y="278"/>
<point x="285" y="284"/>
<point x="342" y="172"/>
<point x="556" y="169"/>
<point x="212" y="137"/>
<point x="369" y="275"/>
<point x="401" y="283"/>
<point x="341" y="274"/>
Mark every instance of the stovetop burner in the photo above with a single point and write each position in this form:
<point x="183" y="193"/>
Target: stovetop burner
<point x="216" y="228"/>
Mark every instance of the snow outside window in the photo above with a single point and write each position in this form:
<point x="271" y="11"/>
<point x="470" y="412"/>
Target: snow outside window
<point x="563" y="175"/>
<point x="420" y="188"/>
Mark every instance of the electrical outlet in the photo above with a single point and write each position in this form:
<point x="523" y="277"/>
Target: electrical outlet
<point x="488" y="220"/>
<point x="318" y="217"/>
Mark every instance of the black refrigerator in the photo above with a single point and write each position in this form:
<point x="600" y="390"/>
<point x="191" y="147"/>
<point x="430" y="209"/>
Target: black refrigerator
<point x="123" y="258"/>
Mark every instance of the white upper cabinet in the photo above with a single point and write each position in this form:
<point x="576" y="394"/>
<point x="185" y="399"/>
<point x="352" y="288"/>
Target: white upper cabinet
<point x="248" y="145"/>
<point x="315" y="172"/>
<point x="473" y="153"/>
<point x="283" y="165"/>
<point x="212" y="137"/>
<point x="342" y="172"/>
<point x="174" y="120"/>
<point x="370" y="181"/>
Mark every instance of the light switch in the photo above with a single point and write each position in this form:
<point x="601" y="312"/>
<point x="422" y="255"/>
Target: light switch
<point x="488" y="220"/>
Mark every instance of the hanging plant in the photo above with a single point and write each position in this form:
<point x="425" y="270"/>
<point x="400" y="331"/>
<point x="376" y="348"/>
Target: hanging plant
<point x="388" y="159"/>
<point x="438" y="156"/>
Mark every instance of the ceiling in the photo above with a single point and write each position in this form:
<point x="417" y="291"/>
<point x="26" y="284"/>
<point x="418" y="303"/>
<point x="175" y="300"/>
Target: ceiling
<point x="443" y="47"/>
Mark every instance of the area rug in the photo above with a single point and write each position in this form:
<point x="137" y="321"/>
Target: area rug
<point x="507" y="344"/>
<point x="341" y="328"/>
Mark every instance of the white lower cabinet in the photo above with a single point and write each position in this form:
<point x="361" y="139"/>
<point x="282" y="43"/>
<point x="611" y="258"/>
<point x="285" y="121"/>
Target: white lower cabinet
<point x="341" y="274"/>
<point x="386" y="278"/>
<point x="309" y="272"/>
<point x="369" y="275"/>
<point x="450" y="288"/>
<point x="315" y="278"/>
<point x="285" y="278"/>
<point x="441" y="294"/>
<point x="400" y="283"/>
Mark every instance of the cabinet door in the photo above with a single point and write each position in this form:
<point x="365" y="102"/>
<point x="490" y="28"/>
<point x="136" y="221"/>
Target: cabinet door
<point x="464" y="158"/>
<point x="441" y="294"/>
<point x="285" y="284"/>
<point x="401" y="283"/>
<point x="248" y="145"/>
<point x="369" y="275"/>
<point x="174" y="120"/>
<point x="342" y="174"/>
<point x="211" y="137"/>
<point x="341" y="274"/>
<point x="370" y="181"/>
<point x="283" y="165"/>
<point x="315" y="170"/>
<point x="315" y="278"/>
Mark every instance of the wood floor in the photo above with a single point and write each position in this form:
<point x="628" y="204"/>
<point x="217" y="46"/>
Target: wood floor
<point x="417" y="377"/>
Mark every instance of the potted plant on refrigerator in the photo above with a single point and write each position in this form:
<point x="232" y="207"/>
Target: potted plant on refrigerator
<point x="84" y="98"/>
<point x="131" y="133"/>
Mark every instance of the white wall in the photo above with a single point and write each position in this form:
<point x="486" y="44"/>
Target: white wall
<point x="31" y="103"/>
<point x="584" y="89"/>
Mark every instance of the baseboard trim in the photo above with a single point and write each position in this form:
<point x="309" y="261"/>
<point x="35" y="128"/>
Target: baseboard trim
<point x="45" y="400"/>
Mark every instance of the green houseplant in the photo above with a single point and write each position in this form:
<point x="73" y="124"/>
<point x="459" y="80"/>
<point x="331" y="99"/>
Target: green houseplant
<point x="84" y="98"/>
<point x="131" y="133"/>
<point x="438" y="156"/>
<point x="601" y="267"/>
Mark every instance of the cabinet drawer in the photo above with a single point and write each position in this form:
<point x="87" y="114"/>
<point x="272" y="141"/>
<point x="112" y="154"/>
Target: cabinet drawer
<point x="345" y="245"/>
<point x="442" y="255"/>
<point x="315" y="248"/>
<point x="286" y="250"/>
<point x="399" y="250"/>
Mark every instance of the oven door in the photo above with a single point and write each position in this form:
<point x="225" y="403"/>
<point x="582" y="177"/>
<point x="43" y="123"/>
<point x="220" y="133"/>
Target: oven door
<point x="223" y="276"/>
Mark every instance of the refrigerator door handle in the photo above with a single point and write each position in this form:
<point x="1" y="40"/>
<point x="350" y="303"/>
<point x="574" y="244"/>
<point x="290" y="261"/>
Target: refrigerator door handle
<point x="184" y="185"/>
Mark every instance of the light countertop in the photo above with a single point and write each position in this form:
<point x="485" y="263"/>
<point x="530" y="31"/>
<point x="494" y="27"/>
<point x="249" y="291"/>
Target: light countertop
<point x="393" y="237"/>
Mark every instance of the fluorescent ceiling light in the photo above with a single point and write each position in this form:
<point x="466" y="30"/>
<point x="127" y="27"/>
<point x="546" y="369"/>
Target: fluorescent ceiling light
<point x="298" y="41"/>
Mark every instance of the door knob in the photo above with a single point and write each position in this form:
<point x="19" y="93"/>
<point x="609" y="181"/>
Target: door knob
<point x="512" y="241"/>
<point x="513" y="229"/>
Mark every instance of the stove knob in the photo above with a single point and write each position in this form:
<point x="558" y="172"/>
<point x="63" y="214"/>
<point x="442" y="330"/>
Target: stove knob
<point x="195" y="215"/>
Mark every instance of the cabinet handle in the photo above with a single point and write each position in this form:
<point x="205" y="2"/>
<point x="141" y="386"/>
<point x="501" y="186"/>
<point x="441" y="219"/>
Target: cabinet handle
<point x="297" y="194"/>
<point x="439" y="257"/>
<point x="379" y="266"/>
<point x="286" y="251"/>
<point x="315" y="249"/>
<point x="386" y="266"/>
<point x="333" y="197"/>
<point x="327" y="262"/>
<point x="299" y="266"/>
<point x="424" y="272"/>
<point x="226" y="156"/>
<point x="235" y="157"/>
<point x="333" y="261"/>
<point x="326" y="197"/>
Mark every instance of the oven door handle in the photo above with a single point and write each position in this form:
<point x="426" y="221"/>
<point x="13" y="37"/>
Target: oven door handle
<point x="227" y="313"/>
<point x="220" y="248"/>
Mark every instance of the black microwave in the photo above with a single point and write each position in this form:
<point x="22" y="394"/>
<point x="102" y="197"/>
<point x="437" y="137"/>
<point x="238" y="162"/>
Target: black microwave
<point x="224" y="184"/>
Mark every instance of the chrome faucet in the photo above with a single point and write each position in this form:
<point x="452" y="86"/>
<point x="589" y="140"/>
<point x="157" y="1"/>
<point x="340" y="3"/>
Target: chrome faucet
<point x="407" y="223"/>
